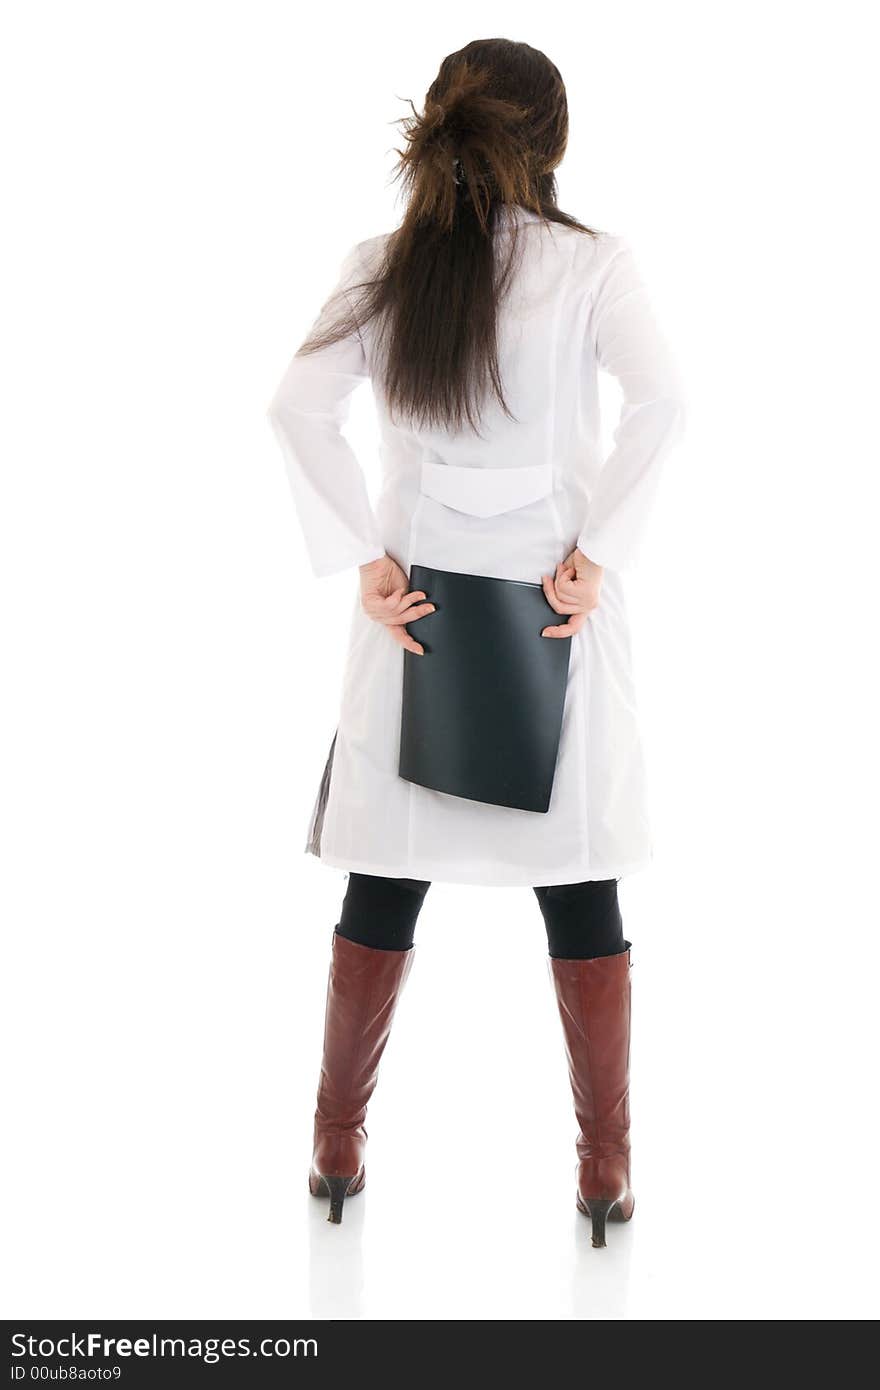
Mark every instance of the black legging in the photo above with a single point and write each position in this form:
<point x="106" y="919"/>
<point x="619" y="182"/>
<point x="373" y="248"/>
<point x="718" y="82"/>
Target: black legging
<point x="582" y="919"/>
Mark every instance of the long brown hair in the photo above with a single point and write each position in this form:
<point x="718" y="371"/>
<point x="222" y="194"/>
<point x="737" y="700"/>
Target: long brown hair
<point x="493" y="129"/>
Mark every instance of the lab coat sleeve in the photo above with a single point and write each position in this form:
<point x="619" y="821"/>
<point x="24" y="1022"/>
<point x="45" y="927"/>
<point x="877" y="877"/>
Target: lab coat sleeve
<point x="627" y="342"/>
<point x="307" y="414"/>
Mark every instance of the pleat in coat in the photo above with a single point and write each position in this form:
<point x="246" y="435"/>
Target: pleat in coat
<point x="510" y="504"/>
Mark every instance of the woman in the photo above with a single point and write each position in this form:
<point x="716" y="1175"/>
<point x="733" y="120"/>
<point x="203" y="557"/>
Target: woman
<point x="482" y="322"/>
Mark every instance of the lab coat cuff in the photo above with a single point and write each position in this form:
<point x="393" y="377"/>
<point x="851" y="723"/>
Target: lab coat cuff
<point x="323" y="570"/>
<point x="597" y="550"/>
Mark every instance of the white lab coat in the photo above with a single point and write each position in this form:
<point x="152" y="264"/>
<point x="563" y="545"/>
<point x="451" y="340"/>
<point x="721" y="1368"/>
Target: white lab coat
<point x="510" y="504"/>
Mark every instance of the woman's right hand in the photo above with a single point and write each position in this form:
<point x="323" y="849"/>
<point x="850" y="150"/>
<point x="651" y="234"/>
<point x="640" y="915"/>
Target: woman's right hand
<point x="573" y="590"/>
<point x="385" y="598"/>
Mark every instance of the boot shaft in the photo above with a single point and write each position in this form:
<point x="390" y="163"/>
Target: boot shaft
<point x="363" y="989"/>
<point x="594" y="1000"/>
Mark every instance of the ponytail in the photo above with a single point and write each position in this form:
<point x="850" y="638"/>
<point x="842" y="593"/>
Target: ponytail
<point x="467" y="144"/>
<point x="493" y="129"/>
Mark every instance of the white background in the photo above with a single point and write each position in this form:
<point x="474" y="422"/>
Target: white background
<point x="182" y="180"/>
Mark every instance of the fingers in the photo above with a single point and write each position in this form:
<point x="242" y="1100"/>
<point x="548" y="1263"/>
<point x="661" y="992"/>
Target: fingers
<point x="398" y="598"/>
<point x="410" y="615"/>
<point x="398" y="607"/>
<point x="549" y="586"/>
<point x="566" y="582"/>
<point x="401" y="599"/>
<point x="557" y="602"/>
<point x="572" y="603"/>
<point x="401" y="602"/>
<point x="569" y="629"/>
<point x="402" y="637"/>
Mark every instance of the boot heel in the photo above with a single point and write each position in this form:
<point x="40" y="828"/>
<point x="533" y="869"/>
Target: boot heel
<point x="597" y="1210"/>
<point x="337" y="1189"/>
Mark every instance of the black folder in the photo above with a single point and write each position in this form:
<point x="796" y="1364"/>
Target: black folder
<point x="482" y="709"/>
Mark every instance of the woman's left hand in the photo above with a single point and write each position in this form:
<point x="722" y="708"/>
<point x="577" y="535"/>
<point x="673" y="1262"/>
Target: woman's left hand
<point x="572" y="590"/>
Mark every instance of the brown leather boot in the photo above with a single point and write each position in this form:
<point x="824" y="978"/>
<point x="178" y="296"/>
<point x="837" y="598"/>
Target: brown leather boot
<point x="362" y="993"/>
<point x="594" y="1005"/>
